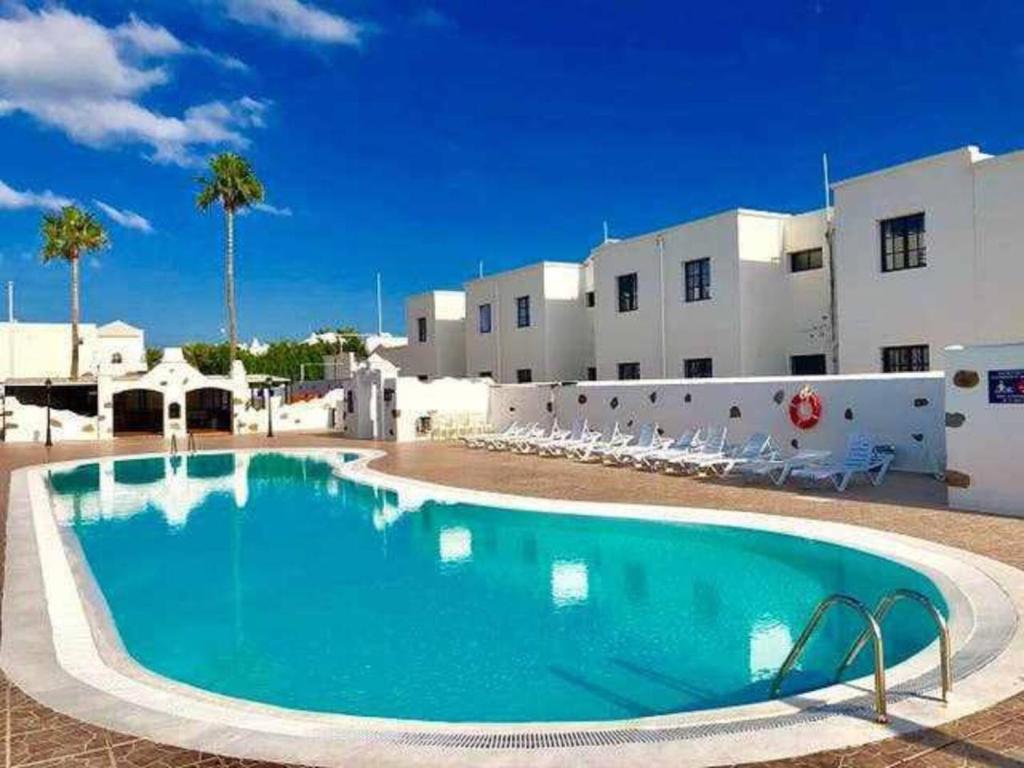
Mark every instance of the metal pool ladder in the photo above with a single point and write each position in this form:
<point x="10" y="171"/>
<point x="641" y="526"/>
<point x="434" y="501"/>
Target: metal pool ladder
<point x="873" y="632"/>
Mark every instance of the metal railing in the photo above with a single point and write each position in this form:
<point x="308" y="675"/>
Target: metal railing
<point x="174" y="445"/>
<point x="192" y="442"/>
<point x="882" y="610"/>
<point x="872" y="630"/>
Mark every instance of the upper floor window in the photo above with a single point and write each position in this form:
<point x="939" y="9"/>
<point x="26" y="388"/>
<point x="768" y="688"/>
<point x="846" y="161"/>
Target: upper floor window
<point x="903" y="243"/>
<point x="524" y="376"/>
<point x="629" y="371"/>
<point x="486" y="375"/>
<point x="627" y="292"/>
<point x="421" y="329"/>
<point x="485" y="318"/>
<point x="591" y="373"/>
<point x="905" y="359"/>
<point x="698" y="368"/>
<point x="591" y="299"/>
<point x="804" y="261"/>
<point x="116" y="359"/>
<point x="697" y="280"/>
<point x="523" y="312"/>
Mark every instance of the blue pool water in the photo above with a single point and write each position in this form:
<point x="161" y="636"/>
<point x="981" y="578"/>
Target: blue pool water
<point x="266" y="577"/>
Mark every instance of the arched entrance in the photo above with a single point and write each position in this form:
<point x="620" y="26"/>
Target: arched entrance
<point x="208" y="410"/>
<point x="138" y="411"/>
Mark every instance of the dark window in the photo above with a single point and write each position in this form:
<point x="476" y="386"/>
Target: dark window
<point x="523" y="312"/>
<point x="629" y="371"/>
<point x="697" y="276"/>
<point x="698" y="368"/>
<point x="485" y="318"/>
<point x="591" y="299"/>
<point x="903" y="243"/>
<point x="486" y="375"/>
<point x="591" y="373"/>
<point x="174" y="411"/>
<point x="807" y="365"/>
<point x="421" y="329"/>
<point x="627" y="292"/>
<point x="423" y="377"/>
<point x="905" y="359"/>
<point x="804" y="261"/>
<point x="350" y="401"/>
<point x="524" y="375"/>
<point x="116" y="358"/>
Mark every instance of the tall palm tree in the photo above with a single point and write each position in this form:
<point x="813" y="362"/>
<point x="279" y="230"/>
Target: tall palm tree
<point x="66" y="236"/>
<point x="234" y="185"/>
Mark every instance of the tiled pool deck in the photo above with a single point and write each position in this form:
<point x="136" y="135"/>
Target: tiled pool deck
<point x="34" y="735"/>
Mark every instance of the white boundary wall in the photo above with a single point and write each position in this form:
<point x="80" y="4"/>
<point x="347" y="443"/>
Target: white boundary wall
<point x="904" y="410"/>
<point x="986" y="440"/>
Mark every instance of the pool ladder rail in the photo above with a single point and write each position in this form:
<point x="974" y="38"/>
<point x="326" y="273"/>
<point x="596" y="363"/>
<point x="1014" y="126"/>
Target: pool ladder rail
<point x="190" y="446"/>
<point x="872" y="632"/>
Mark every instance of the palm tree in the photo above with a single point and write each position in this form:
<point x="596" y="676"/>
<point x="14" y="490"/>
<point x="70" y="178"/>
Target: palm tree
<point x="232" y="183"/>
<point x="66" y="236"/>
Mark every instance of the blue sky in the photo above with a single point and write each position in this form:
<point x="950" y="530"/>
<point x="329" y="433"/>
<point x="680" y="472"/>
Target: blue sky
<point x="417" y="138"/>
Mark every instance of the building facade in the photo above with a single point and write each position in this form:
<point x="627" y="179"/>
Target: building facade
<point x="741" y="293"/>
<point x="436" y="323"/>
<point x="925" y="255"/>
<point x="529" y="324"/>
<point x="43" y="350"/>
<point x="928" y="254"/>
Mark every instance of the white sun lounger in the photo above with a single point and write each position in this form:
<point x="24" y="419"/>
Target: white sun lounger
<point x="861" y="456"/>
<point x="608" y="440"/>
<point x="756" y="447"/>
<point x="778" y="468"/>
<point x="713" y="447"/>
<point x="686" y="442"/>
<point x="647" y="440"/>
<point x="534" y="431"/>
<point x="557" y="447"/>
<point x="579" y="427"/>
<point x="479" y="441"/>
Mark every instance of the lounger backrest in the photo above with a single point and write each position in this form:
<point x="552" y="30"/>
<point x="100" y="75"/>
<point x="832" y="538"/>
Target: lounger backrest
<point x="755" y="445"/>
<point x="610" y="432"/>
<point x="860" y="450"/>
<point x="715" y="441"/>
<point x="684" y="439"/>
<point x="646" y="436"/>
<point x="579" y="426"/>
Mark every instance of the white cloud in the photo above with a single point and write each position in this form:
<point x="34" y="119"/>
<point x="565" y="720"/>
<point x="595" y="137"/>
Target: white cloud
<point x="273" y="210"/>
<point x="141" y="38"/>
<point x="295" y="19"/>
<point x="72" y="73"/>
<point x="14" y="200"/>
<point x="124" y="217"/>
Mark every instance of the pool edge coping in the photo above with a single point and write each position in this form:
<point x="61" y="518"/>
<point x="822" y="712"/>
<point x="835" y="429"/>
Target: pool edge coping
<point x="64" y="692"/>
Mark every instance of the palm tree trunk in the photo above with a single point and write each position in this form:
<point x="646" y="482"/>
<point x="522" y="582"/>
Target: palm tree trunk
<point x="75" y="312"/>
<point x="229" y="286"/>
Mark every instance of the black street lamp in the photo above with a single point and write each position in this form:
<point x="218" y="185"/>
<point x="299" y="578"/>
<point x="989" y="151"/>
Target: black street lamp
<point x="270" y="408"/>
<point x="49" y="434"/>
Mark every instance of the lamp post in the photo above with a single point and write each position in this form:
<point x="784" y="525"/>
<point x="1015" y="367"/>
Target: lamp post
<point x="270" y="408"/>
<point x="49" y="434"/>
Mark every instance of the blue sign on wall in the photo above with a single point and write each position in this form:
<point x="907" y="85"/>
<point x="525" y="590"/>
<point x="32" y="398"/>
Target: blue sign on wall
<point x="1006" y="387"/>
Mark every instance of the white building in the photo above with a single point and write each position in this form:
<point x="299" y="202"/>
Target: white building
<point x="43" y="350"/>
<point x="741" y="293"/>
<point x="436" y="327"/>
<point x="529" y="324"/>
<point x="928" y="254"/>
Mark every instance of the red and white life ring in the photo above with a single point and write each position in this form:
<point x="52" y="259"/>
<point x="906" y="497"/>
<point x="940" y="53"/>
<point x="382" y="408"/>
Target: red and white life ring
<point x="805" y="409"/>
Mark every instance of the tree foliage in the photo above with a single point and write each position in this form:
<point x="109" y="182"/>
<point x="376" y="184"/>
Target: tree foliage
<point x="283" y="358"/>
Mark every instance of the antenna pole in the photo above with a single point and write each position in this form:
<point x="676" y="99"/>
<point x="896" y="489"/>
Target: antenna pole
<point x="833" y="304"/>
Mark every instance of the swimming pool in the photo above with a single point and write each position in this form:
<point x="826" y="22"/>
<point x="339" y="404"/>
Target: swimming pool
<point x="266" y="577"/>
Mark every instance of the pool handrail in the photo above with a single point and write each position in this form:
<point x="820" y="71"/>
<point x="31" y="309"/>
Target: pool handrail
<point x="872" y="628"/>
<point x="882" y="610"/>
